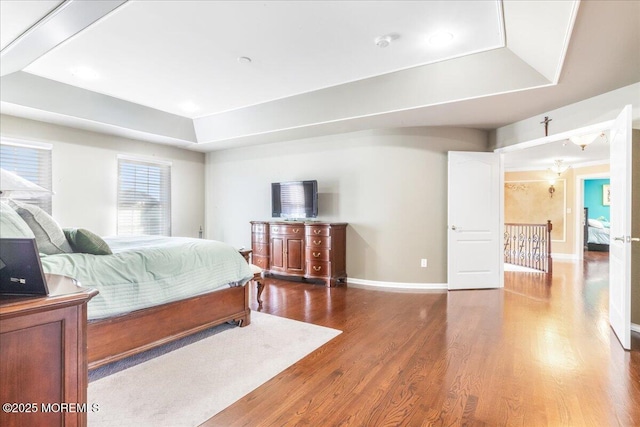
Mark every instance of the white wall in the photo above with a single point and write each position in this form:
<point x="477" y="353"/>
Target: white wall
<point x="389" y="185"/>
<point x="85" y="172"/>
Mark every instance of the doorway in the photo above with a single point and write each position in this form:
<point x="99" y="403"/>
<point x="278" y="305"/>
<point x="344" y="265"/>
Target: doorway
<point x="620" y="168"/>
<point x="537" y="160"/>
<point x="592" y="228"/>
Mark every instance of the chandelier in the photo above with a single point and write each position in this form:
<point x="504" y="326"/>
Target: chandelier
<point x="583" y="140"/>
<point x="558" y="169"/>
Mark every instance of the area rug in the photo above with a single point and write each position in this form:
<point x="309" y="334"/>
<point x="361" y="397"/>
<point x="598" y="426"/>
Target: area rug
<point x="189" y="385"/>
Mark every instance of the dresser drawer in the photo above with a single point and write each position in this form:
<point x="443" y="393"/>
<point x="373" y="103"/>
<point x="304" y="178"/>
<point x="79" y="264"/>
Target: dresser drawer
<point x="259" y="238"/>
<point x="317" y="254"/>
<point x="260" y="249"/>
<point x="260" y="261"/>
<point x="294" y="230"/>
<point x="317" y="230"/>
<point x="316" y="242"/>
<point x="259" y="228"/>
<point x="318" y="268"/>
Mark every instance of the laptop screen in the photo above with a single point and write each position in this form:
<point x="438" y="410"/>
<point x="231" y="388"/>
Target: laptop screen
<point x="20" y="268"/>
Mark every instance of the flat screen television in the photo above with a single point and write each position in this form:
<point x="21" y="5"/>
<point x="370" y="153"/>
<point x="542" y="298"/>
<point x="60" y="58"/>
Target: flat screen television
<point x="294" y="199"/>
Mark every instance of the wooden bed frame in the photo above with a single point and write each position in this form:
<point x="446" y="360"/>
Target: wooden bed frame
<point x="115" y="338"/>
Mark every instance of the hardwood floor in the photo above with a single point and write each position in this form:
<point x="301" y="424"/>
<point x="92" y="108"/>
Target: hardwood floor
<point x="532" y="354"/>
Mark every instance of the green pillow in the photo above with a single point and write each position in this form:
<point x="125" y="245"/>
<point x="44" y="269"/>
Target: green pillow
<point x="86" y="242"/>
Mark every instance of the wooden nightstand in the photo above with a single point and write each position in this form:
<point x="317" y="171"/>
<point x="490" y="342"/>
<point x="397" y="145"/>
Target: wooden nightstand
<point x="43" y="356"/>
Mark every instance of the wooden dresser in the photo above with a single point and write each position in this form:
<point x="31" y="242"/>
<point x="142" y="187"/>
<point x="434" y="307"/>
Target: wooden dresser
<point x="308" y="250"/>
<point x="43" y="349"/>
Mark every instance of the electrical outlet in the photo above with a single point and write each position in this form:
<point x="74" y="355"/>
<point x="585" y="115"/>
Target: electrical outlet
<point x="423" y="262"/>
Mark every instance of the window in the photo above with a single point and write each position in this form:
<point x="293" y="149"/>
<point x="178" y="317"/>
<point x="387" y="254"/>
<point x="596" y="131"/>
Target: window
<point x="31" y="161"/>
<point x="144" y="197"/>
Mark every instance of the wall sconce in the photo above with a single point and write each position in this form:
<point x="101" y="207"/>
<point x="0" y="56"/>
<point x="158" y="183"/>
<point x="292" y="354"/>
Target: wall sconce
<point x="558" y="169"/>
<point x="552" y="189"/>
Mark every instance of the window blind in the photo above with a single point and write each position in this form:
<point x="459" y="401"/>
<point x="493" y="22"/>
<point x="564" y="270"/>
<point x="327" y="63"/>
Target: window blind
<point x="32" y="163"/>
<point x="144" y="197"/>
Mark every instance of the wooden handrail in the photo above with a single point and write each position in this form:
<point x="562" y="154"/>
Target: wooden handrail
<point x="528" y="245"/>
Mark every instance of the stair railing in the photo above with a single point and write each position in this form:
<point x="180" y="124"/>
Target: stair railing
<point x="528" y="245"/>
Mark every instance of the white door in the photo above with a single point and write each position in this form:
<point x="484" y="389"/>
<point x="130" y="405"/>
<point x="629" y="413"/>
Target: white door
<point x="475" y="220"/>
<point x="620" y="231"/>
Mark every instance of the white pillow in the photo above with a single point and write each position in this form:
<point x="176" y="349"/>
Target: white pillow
<point x="595" y="223"/>
<point x="11" y="224"/>
<point x="49" y="236"/>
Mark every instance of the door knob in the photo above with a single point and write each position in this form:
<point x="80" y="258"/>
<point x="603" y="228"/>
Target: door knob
<point x="629" y="239"/>
<point x="453" y="227"/>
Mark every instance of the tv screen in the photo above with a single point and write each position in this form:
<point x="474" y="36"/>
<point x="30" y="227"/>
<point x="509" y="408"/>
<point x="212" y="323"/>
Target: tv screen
<point x="294" y="199"/>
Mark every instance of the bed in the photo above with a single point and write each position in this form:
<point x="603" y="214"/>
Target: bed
<point x="152" y="290"/>
<point x="596" y="233"/>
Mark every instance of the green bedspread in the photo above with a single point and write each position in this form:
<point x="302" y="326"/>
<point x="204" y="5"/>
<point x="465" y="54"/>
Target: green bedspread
<point x="149" y="270"/>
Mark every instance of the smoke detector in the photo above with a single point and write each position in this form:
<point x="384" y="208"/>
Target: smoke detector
<point x="384" y="41"/>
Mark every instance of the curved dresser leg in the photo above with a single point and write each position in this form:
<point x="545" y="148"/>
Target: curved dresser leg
<point x="260" y="289"/>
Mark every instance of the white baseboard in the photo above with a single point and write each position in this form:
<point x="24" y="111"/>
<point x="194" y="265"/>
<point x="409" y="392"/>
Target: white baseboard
<point x="564" y="257"/>
<point x="635" y="327"/>
<point x="395" y="286"/>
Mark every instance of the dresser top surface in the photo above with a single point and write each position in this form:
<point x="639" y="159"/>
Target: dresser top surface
<point x="310" y="223"/>
<point x="63" y="291"/>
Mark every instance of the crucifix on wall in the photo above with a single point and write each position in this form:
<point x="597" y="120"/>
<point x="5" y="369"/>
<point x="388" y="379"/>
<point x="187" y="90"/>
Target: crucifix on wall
<point x="546" y="125"/>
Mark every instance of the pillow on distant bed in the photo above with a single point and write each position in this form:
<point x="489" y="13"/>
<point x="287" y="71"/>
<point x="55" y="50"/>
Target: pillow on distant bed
<point x="49" y="236"/>
<point x="86" y="242"/>
<point x="595" y="223"/>
<point x="11" y="225"/>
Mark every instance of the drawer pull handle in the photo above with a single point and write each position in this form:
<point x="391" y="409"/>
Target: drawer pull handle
<point x="317" y="268"/>
<point x="317" y="231"/>
<point x="296" y="230"/>
<point x="317" y="254"/>
<point x="317" y="242"/>
<point x="275" y="229"/>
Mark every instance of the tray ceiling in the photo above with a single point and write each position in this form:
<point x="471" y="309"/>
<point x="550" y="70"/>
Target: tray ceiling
<point x="170" y="71"/>
<point x="169" y="55"/>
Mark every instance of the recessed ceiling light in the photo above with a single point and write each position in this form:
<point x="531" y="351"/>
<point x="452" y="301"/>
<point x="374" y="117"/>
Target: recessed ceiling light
<point x="85" y="73"/>
<point x="441" y="38"/>
<point x="244" y="60"/>
<point x="189" y="107"/>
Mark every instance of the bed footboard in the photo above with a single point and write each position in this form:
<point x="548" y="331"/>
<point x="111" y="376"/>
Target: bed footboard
<point x="115" y="338"/>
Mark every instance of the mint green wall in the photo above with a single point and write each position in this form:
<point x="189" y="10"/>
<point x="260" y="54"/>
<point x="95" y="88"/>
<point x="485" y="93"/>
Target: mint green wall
<point x="593" y="198"/>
